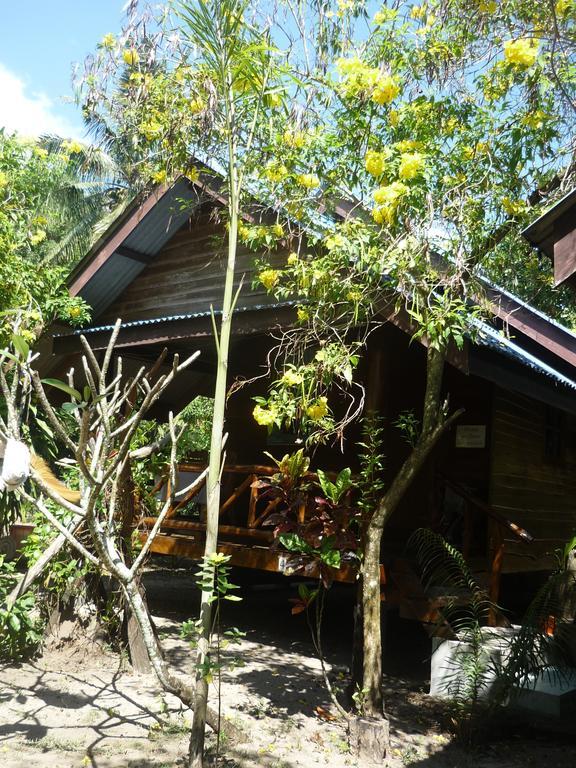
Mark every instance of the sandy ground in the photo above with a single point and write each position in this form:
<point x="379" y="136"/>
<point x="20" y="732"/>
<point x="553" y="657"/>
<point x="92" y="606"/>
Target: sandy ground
<point x="71" y="709"/>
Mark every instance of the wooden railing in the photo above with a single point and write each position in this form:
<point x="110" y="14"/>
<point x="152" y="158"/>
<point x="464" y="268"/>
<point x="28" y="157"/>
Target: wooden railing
<point x="244" y="492"/>
<point x="497" y="543"/>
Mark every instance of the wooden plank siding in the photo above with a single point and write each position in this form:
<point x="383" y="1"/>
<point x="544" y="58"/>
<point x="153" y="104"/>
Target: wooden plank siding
<point x="187" y="276"/>
<point x="529" y="488"/>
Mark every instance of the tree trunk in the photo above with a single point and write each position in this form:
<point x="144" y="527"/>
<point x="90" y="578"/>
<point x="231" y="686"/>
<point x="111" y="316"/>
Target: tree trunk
<point x="369" y="739"/>
<point x="433" y="427"/>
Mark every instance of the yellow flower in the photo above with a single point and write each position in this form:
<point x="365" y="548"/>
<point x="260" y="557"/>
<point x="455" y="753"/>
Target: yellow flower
<point x="394" y="117"/>
<point x="487" y="6"/>
<point x="40" y="152"/>
<point x="513" y="207"/>
<point x="380" y="18"/>
<point x="151" y="129"/>
<point x="243" y="231"/>
<point x="308" y="180"/>
<point x="451" y="125"/>
<point x="391" y="194"/>
<point x="418" y="11"/>
<point x="73" y="147"/>
<point x="468" y="152"/>
<point x="263" y="416"/>
<point x="535" y="120"/>
<point x="275" y="171"/>
<point x="564" y="7"/>
<point x="521" y="52"/>
<point x="159" y="177"/>
<point x="269" y="278"/>
<point x="131" y="57"/>
<point x="292" y="378"/>
<point x="334" y="241"/>
<point x="38" y="237"/>
<point x="406" y="145"/>
<point x="197" y="105"/>
<point x="411" y="165"/>
<point x="354" y="296"/>
<point x="375" y="162"/>
<point x="292" y="258"/>
<point x="3" y="179"/>
<point x="295" y="139"/>
<point x="358" y="79"/>
<point x="302" y="314"/>
<point x="274" y="99"/>
<point x="74" y="312"/>
<point x="318" y="410"/>
<point x="108" y="41"/>
<point x="386" y="90"/>
<point x="384" y="214"/>
<point x="278" y="230"/>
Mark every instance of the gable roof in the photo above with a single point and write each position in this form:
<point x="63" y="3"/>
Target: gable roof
<point x="539" y="344"/>
<point x="131" y="242"/>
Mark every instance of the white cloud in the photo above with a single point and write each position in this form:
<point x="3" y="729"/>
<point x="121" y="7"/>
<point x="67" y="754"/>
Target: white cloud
<point x="29" y="113"/>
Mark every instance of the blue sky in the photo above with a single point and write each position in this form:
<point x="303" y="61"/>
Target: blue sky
<point x="39" y="41"/>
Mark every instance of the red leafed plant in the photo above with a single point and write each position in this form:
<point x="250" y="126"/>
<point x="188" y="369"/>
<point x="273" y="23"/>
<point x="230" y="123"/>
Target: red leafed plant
<point x="312" y="516"/>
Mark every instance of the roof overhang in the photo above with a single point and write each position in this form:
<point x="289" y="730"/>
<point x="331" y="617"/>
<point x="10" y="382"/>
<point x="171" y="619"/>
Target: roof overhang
<point x="554" y="233"/>
<point x="166" y="330"/>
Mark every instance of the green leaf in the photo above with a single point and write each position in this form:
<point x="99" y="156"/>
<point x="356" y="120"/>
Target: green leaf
<point x="14" y="622"/>
<point x="294" y="543"/>
<point x="64" y="387"/>
<point x="331" y="557"/>
<point x="20" y="346"/>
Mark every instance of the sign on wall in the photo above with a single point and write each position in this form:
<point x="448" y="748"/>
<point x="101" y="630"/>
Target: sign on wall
<point x="471" y="436"/>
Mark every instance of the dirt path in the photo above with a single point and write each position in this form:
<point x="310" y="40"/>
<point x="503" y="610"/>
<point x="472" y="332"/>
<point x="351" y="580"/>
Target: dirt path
<point x="68" y="710"/>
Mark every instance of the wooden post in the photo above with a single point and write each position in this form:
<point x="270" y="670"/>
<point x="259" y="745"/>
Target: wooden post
<point x="497" y="555"/>
<point x="252" y="503"/>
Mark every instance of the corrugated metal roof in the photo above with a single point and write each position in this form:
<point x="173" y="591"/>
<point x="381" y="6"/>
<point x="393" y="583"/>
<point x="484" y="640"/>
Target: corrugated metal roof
<point x="490" y="337"/>
<point x="148" y="237"/>
<point x="174" y="318"/>
<point x="170" y="213"/>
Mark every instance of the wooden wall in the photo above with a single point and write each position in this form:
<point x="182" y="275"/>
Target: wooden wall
<point x="187" y="276"/>
<point x="529" y="487"/>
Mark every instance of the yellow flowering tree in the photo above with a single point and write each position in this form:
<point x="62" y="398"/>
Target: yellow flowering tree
<point x="432" y="134"/>
<point x="37" y="218"/>
<point x="441" y="137"/>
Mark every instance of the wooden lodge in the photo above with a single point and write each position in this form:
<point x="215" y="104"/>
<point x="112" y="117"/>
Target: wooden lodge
<point x="502" y="484"/>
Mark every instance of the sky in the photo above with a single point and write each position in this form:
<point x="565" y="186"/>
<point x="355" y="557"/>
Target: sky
<point x="39" y="41"/>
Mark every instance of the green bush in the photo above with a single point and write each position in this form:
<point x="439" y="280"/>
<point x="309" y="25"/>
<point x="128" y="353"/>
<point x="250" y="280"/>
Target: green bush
<point x="21" y="626"/>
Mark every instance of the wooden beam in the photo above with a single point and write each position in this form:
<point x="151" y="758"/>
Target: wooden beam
<point x="130" y="253"/>
<point x="257" y="558"/>
<point x="565" y="257"/>
<point x="547" y="335"/>
<point x="225" y="530"/>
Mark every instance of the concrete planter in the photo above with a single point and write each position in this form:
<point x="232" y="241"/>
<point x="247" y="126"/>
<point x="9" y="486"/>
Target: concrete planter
<point x="450" y="658"/>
